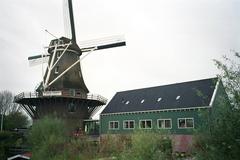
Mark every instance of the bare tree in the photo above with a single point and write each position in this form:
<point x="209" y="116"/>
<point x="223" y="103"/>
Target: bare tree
<point x="6" y="102"/>
<point x="7" y="105"/>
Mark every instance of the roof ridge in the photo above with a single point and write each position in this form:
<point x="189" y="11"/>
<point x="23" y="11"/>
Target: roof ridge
<point x="176" y="95"/>
<point x="168" y="84"/>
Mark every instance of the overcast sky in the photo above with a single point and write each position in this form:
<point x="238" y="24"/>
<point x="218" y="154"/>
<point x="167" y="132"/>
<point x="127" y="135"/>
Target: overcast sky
<point x="168" y="41"/>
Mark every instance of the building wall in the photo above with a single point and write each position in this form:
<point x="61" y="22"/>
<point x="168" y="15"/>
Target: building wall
<point x="154" y="116"/>
<point x="182" y="139"/>
<point x="221" y="97"/>
<point x="60" y="108"/>
<point x="200" y="116"/>
<point x="221" y="102"/>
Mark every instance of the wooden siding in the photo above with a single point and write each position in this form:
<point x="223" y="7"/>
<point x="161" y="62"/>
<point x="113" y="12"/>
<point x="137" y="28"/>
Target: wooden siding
<point x="173" y="115"/>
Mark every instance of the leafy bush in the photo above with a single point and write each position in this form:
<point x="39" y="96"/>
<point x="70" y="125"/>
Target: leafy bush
<point x="114" y="145"/>
<point x="15" y="120"/>
<point x="50" y="141"/>
<point x="47" y="138"/>
<point x="148" y="145"/>
<point x="7" y="140"/>
<point x="219" y="138"/>
<point x="83" y="147"/>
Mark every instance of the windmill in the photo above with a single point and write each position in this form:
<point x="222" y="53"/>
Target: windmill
<point x="62" y="91"/>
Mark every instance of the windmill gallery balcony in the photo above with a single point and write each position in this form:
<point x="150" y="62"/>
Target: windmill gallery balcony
<point x="68" y="102"/>
<point x="74" y="94"/>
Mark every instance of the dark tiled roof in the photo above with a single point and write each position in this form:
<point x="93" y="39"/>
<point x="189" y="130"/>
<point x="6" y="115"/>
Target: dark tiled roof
<point x="180" y="95"/>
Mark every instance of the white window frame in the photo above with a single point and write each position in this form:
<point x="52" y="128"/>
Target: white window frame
<point x="129" y="125"/>
<point x="185" y="122"/>
<point x="145" y="123"/>
<point x="161" y="119"/>
<point x="56" y="70"/>
<point x="59" y="54"/>
<point x="114" y="127"/>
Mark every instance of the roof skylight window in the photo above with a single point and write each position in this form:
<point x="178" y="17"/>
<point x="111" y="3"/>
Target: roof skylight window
<point x="142" y="101"/>
<point x="159" y="99"/>
<point x="178" y="97"/>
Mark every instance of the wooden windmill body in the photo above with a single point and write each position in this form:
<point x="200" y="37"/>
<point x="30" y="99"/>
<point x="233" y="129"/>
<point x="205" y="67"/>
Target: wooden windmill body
<point x="63" y="92"/>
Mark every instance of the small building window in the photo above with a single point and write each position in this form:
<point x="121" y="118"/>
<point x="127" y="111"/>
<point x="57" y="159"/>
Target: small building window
<point x="164" y="123"/>
<point x="159" y="99"/>
<point x="178" y="97"/>
<point x="113" y="125"/>
<point x="56" y="70"/>
<point x="129" y="124"/>
<point x="127" y="102"/>
<point x="185" y="123"/>
<point x="142" y="101"/>
<point x="145" y="124"/>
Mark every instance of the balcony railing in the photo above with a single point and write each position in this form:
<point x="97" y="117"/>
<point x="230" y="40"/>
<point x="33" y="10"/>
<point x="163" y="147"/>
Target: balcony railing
<point x="63" y="93"/>
<point x="97" y="97"/>
<point x="26" y="95"/>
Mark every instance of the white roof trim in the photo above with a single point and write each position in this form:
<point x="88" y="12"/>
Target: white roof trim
<point x="18" y="156"/>
<point x="214" y="93"/>
<point x="162" y="110"/>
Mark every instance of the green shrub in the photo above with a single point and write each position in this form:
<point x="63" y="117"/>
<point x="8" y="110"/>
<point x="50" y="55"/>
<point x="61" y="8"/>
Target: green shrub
<point x="15" y="120"/>
<point x="83" y="147"/>
<point x="50" y="141"/>
<point x="113" y="145"/>
<point x="47" y="138"/>
<point x="7" y="140"/>
<point x="148" y="145"/>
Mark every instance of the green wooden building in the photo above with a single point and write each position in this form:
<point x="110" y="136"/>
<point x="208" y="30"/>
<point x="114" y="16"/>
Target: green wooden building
<point x="174" y="108"/>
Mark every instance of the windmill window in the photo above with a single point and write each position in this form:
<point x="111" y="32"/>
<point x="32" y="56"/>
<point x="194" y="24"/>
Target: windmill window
<point x="72" y="107"/>
<point x="56" y="70"/>
<point x="127" y="102"/>
<point x="178" y="97"/>
<point x="55" y="42"/>
<point x="142" y="101"/>
<point x="159" y="99"/>
<point x="59" y="42"/>
<point x="72" y="92"/>
<point x="58" y="54"/>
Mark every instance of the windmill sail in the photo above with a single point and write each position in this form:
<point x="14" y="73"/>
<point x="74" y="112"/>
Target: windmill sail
<point x="68" y="20"/>
<point x="103" y="43"/>
<point x="38" y="59"/>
